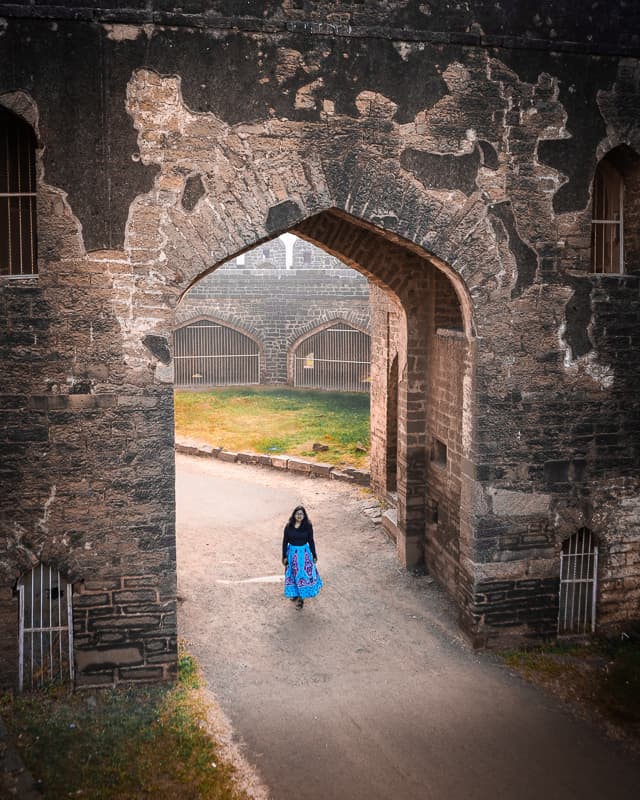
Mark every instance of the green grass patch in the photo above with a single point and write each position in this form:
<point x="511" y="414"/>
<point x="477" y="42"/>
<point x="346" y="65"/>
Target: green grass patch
<point x="278" y="420"/>
<point x="130" y="743"/>
<point x="603" y="675"/>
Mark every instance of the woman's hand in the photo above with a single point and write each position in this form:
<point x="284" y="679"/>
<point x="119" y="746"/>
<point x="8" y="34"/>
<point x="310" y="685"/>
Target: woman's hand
<point x="315" y="559"/>
<point x="285" y="562"/>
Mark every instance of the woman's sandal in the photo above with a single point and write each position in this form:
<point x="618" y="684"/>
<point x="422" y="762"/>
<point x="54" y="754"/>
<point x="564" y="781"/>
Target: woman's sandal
<point x="299" y="603"/>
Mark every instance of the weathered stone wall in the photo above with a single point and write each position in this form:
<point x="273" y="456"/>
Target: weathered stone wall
<point x="406" y="139"/>
<point x="83" y="487"/>
<point x="448" y="361"/>
<point x="279" y="305"/>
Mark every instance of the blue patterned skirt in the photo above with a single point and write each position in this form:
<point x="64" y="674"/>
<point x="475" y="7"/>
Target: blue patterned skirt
<point x="301" y="578"/>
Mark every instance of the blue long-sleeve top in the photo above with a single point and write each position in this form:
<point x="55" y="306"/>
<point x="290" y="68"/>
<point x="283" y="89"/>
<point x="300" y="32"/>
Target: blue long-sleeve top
<point x="298" y="537"/>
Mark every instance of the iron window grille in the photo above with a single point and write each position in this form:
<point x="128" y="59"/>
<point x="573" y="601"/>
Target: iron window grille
<point x="210" y="354"/>
<point x="45" y="650"/>
<point x="607" y="233"/>
<point x="18" y="256"/>
<point x="578" y="584"/>
<point x="337" y="358"/>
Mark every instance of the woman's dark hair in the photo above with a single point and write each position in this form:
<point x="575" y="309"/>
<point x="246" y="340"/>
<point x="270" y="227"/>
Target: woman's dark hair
<point x="292" y="518"/>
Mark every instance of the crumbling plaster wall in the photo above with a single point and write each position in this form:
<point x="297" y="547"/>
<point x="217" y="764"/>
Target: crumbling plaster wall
<point x="481" y="162"/>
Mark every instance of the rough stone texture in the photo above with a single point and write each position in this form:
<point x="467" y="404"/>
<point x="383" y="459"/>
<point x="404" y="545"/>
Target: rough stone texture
<point x="278" y="306"/>
<point x="519" y="504"/>
<point x="439" y="154"/>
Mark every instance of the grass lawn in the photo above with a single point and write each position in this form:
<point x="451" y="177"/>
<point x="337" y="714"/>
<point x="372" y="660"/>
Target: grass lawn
<point x="127" y="743"/>
<point x="601" y="676"/>
<point x="278" y="420"/>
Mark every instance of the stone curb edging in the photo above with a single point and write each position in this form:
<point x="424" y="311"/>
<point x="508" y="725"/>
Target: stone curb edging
<point x="314" y="469"/>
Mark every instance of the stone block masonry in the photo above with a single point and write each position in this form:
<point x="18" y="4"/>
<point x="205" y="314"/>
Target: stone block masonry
<point x="125" y="630"/>
<point x="448" y="158"/>
<point x="278" y="304"/>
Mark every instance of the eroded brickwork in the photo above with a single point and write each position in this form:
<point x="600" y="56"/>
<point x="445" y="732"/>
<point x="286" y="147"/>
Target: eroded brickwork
<point x="411" y="145"/>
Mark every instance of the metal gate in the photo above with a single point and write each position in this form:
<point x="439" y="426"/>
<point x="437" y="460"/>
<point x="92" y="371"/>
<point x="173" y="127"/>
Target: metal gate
<point x="45" y="649"/>
<point x="208" y="354"/>
<point x="578" y="584"/>
<point x="337" y="358"/>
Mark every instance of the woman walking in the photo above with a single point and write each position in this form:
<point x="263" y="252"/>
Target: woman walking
<point x="301" y="578"/>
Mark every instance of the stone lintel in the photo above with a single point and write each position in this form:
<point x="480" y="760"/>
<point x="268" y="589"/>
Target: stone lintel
<point x="507" y="503"/>
<point x="108" y="658"/>
<point x="515" y="570"/>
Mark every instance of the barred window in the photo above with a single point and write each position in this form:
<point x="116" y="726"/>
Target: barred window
<point x="578" y="584"/>
<point x="17" y="196"/>
<point x="46" y="628"/>
<point x="607" y="247"/>
<point x="210" y="354"/>
<point x="337" y="358"/>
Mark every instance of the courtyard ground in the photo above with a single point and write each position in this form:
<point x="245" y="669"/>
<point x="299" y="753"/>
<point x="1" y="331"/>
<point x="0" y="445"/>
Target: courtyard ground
<point x="370" y="691"/>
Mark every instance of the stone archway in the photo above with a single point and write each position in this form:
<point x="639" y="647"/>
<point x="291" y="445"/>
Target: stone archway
<point x="110" y="521"/>
<point x="406" y="280"/>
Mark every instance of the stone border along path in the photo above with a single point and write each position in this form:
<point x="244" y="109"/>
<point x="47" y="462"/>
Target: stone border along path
<point x="315" y="469"/>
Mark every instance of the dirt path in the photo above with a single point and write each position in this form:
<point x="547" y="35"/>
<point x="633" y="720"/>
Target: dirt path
<point x="369" y="692"/>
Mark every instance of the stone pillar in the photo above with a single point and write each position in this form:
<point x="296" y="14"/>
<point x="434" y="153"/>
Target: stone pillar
<point x="412" y="418"/>
<point x="384" y="412"/>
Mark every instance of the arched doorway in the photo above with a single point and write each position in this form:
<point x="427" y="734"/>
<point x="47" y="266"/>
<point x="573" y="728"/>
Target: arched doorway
<point x="421" y="322"/>
<point x="336" y="356"/>
<point x="211" y="353"/>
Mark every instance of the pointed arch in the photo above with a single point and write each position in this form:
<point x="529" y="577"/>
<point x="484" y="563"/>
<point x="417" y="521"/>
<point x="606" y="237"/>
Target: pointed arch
<point x="209" y="352"/>
<point x="334" y="356"/>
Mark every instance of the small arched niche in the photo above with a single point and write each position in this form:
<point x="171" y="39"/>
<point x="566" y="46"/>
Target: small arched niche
<point x="45" y="638"/>
<point x="578" y="584"/>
